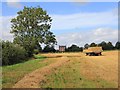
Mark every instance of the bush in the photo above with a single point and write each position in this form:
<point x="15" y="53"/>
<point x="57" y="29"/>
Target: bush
<point x="12" y="53"/>
<point x="27" y="43"/>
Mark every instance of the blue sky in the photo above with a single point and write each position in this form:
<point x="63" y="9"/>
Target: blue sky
<point x="62" y="7"/>
<point x="72" y="21"/>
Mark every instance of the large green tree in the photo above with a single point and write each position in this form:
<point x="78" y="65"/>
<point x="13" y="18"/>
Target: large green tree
<point x="32" y="27"/>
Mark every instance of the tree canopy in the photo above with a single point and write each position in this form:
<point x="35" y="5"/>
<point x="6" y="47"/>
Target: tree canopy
<point x="93" y="44"/>
<point x="74" y="48"/>
<point x="32" y="27"/>
<point x="106" y="46"/>
<point x="86" y="46"/>
<point x="48" y="48"/>
<point x="117" y="45"/>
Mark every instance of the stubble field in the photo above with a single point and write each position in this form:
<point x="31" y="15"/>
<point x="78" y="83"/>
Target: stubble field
<point x="69" y="70"/>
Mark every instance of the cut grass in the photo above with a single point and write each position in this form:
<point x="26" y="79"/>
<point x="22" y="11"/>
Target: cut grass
<point x="70" y="76"/>
<point x="67" y="77"/>
<point x="13" y="73"/>
<point x="80" y="72"/>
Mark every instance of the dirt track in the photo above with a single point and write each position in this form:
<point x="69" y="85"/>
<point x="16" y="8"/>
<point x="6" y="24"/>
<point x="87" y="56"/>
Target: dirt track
<point x="92" y="67"/>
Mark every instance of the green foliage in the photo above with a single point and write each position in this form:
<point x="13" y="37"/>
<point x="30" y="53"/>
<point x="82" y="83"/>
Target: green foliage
<point x="48" y="48"/>
<point x="93" y="44"/>
<point x="74" y="48"/>
<point x="36" y="51"/>
<point x="110" y="46"/>
<point x="38" y="47"/>
<point x="28" y="43"/>
<point x="86" y="46"/>
<point x="117" y="45"/>
<point x="31" y="27"/>
<point x="106" y="46"/>
<point x="12" y="53"/>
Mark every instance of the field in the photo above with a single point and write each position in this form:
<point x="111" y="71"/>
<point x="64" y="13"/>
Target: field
<point x="64" y="70"/>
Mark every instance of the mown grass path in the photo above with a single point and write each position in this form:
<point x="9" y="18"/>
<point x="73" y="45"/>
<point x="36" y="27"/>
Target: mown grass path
<point x="13" y="73"/>
<point x="33" y="79"/>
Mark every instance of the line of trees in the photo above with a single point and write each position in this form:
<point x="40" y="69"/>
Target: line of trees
<point x="14" y="53"/>
<point x="104" y="45"/>
<point x="76" y="48"/>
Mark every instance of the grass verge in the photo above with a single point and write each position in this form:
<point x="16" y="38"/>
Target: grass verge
<point x="13" y="73"/>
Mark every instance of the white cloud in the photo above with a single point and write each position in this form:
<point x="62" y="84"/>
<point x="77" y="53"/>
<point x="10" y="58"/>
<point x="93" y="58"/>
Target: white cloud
<point x="14" y="3"/>
<point x="82" y="19"/>
<point x="81" y="38"/>
<point x="6" y="27"/>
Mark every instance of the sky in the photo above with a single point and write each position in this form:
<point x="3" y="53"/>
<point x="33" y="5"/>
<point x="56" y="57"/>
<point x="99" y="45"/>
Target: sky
<point x="73" y="22"/>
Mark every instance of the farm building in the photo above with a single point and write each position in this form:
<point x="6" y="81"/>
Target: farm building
<point x="62" y="48"/>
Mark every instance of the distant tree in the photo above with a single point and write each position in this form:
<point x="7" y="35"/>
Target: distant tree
<point x="86" y="46"/>
<point x="93" y="45"/>
<point x="80" y="49"/>
<point x="106" y="46"/>
<point x="117" y="45"/>
<point x="74" y="48"/>
<point x="31" y="26"/>
<point x="110" y="46"/>
<point x="48" y="48"/>
<point x="103" y="44"/>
